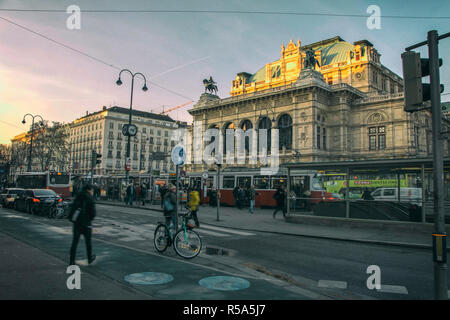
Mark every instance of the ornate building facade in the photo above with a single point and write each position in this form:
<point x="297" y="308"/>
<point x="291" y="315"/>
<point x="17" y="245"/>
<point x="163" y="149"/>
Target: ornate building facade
<point x="349" y="107"/>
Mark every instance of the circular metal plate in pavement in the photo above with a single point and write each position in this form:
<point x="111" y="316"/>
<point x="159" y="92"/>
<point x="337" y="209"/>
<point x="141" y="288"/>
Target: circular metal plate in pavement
<point x="224" y="283"/>
<point x="148" y="278"/>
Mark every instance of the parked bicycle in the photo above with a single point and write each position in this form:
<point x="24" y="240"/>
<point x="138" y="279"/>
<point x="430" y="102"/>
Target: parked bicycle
<point x="186" y="242"/>
<point x="58" y="211"/>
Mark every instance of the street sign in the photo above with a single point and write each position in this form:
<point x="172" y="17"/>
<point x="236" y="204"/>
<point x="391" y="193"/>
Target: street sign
<point x="125" y="129"/>
<point x="158" y="156"/>
<point x="128" y="164"/>
<point x="178" y="156"/>
<point x="205" y="175"/>
<point x="182" y="173"/>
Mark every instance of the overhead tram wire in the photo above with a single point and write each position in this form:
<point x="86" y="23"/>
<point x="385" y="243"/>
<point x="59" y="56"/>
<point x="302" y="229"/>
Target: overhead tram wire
<point x="221" y="12"/>
<point x="86" y="55"/>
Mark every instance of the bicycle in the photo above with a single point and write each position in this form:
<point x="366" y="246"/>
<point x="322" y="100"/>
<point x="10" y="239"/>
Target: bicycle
<point x="186" y="242"/>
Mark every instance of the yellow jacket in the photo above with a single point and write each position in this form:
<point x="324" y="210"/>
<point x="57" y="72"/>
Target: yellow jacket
<point x="194" y="200"/>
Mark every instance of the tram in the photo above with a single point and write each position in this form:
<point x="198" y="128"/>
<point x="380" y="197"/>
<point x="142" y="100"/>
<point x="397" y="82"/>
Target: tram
<point x="265" y="185"/>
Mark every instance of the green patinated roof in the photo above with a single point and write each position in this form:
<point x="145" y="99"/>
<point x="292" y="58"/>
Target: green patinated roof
<point x="260" y="75"/>
<point x="334" y="53"/>
<point x="334" y="50"/>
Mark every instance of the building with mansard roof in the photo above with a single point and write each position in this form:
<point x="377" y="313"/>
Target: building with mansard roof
<point x="102" y="131"/>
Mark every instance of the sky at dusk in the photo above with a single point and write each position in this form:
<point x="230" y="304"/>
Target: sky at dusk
<point x="176" y="51"/>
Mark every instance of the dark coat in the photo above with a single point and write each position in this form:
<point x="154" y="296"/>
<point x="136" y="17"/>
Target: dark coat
<point x="280" y="196"/>
<point x="86" y="203"/>
<point x="171" y="196"/>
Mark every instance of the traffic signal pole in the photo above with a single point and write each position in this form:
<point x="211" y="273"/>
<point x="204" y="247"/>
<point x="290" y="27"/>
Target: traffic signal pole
<point x="440" y="267"/>
<point x="93" y="163"/>
<point x="416" y="93"/>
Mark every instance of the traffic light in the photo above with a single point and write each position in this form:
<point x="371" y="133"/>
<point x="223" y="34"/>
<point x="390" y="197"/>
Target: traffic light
<point x="95" y="158"/>
<point x="414" y="69"/>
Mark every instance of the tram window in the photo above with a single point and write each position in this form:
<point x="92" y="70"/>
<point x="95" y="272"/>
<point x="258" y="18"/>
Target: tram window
<point x="261" y="182"/>
<point x="278" y="181"/>
<point x="228" y="182"/>
<point x="317" y="184"/>
<point x="209" y="182"/>
<point x="244" y="181"/>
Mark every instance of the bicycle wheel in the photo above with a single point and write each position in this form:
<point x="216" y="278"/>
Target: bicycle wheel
<point x="187" y="244"/>
<point x="161" y="238"/>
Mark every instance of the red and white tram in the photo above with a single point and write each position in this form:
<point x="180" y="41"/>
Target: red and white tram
<point x="265" y="185"/>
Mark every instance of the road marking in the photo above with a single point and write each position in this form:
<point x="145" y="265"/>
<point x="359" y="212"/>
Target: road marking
<point x="130" y="238"/>
<point x="212" y="233"/>
<point x="393" y="289"/>
<point x="332" y="284"/>
<point x="227" y="230"/>
<point x="60" y="230"/>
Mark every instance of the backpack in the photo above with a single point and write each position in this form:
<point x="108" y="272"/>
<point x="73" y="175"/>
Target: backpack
<point x="168" y="204"/>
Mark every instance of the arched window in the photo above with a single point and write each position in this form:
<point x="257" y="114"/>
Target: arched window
<point x="246" y="125"/>
<point x="265" y="123"/>
<point x="229" y="125"/>
<point x="285" y="132"/>
<point x="213" y="138"/>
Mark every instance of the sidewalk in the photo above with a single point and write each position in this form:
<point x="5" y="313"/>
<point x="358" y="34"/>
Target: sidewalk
<point x="416" y="235"/>
<point x="27" y="273"/>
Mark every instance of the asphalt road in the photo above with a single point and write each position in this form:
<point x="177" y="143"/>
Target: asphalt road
<point x="276" y="266"/>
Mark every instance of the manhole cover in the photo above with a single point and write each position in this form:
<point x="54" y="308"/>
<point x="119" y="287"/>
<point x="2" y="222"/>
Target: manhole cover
<point x="224" y="283"/>
<point x="148" y="278"/>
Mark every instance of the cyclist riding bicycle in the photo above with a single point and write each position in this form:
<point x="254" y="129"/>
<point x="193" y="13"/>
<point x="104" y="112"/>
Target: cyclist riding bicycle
<point x="169" y="203"/>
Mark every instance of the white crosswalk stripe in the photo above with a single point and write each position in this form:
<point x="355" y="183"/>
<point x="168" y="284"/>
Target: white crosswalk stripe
<point x="393" y="289"/>
<point x="332" y="284"/>
<point x="116" y="229"/>
<point x="242" y="233"/>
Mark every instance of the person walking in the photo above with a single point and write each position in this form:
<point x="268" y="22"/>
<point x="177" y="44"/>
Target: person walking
<point x="236" y="196"/>
<point x="251" y="195"/>
<point x="280" y="196"/>
<point x="131" y="192"/>
<point x="194" y="200"/>
<point x="367" y="195"/>
<point x="143" y="193"/>
<point x="81" y="214"/>
<point x="241" y="197"/>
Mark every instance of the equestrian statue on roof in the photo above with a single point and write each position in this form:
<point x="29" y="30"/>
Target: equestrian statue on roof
<point x="210" y="85"/>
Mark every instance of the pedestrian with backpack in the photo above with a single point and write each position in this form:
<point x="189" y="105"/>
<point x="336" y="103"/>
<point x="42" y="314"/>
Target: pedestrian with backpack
<point x="170" y="201"/>
<point x="81" y="215"/>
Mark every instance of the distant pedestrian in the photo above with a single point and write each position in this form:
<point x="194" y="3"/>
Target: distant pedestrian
<point x="252" y="195"/>
<point x="236" y="196"/>
<point x="143" y="193"/>
<point x="241" y="197"/>
<point x="81" y="214"/>
<point x="130" y="194"/>
<point x="194" y="201"/>
<point x="367" y="195"/>
<point x="213" y="198"/>
<point x="280" y="198"/>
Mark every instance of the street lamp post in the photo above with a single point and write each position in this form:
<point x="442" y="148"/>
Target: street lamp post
<point x="144" y="88"/>
<point x="32" y="133"/>
<point x="218" y="189"/>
